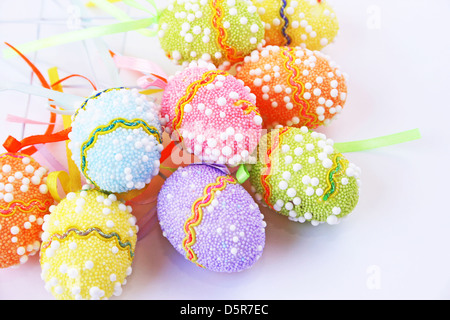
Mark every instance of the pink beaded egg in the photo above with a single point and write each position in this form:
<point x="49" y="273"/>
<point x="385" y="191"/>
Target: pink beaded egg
<point x="212" y="113"/>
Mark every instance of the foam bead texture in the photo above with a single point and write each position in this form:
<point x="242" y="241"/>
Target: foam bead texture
<point x="300" y="175"/>
<point x="206" y="107"/>
<point x="305" y="23"/>
<point x="295" y="87"/>
<point x="222" y="32"/>
<point x="24" y="201"/>
<point x="117" y="131"/>
<point x="87" y="246"/>
<point x="230" y="236"/>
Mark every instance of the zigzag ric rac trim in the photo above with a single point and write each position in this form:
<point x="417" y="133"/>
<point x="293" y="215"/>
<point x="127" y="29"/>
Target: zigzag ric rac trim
<point x="88" y="233"/>
<point x="207" y="78"/>
<point x="112" y="126"/>
<point x="30" y="206"/>
<point x="298" y="89"/>
<point x="197" y="214"/>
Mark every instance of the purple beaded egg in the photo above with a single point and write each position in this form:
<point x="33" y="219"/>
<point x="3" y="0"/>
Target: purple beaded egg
<point x="209" y="218"/>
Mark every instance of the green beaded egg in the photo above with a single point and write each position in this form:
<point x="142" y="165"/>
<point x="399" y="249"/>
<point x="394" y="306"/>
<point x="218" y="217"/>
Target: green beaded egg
<point x="222" y="32"/>
<point x="299" y="174"/>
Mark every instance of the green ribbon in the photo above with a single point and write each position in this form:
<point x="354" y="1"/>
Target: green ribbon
<point x="374" y="143"/>
<point x="242" y="174"/>
<point x="82" y="34"/>
<point x="121" y="15"/>
<point x="355" y="146"/>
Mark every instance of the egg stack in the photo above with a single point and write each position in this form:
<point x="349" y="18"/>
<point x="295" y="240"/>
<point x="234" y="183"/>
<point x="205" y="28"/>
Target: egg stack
<point x="246" y="66"/>
<point x="282" y="83"/>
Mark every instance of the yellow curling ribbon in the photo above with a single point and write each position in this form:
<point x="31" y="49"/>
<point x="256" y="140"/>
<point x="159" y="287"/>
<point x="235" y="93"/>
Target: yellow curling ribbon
<point x="69" y="181"/>
<point x="151" y="91"/>
<point x="52" y="184"/>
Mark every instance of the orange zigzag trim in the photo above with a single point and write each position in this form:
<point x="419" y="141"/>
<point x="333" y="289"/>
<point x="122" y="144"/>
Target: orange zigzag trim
<point x="294" y="82"/>
<point x="197" y="214"/>
<point x="13" y="206"/>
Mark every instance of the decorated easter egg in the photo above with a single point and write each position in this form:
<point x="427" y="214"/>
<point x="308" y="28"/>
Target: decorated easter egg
<point x="294" y="87"/>
<point x="212" y="113"/>
<point x="300" y="175"/>
<point x="210" y="219"/>
<point x="116" y="140"/>
<point x="219" y="31"/>
<point x="24" y="201"/>
<point x="87" y="246"/>
<point x="308" y="24"/>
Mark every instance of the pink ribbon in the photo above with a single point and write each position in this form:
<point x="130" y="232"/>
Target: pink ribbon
<point x="17" y="119"/>
<point x="47" y="156"/>
<point x="154" y="76"/>
<point x="151" y="81"/>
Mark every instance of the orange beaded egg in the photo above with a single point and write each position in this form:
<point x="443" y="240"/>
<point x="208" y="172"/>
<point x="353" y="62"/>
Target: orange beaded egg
<point x="294" y="87"/>
<point x="24" y="200"/>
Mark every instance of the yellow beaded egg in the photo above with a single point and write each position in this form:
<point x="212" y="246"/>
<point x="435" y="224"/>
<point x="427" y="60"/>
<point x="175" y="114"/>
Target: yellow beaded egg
<point x="310" y="24"/>
<point x="87" y="246"/>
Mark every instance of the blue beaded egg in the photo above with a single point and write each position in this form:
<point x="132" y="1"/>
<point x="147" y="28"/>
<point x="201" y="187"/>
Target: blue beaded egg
<point x="116" y="140"/>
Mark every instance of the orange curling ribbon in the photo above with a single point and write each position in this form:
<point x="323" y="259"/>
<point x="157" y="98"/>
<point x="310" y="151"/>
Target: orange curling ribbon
<point x="69" y="181"/>
<point x="57" y="84"/>
<point x="167" y="151"/>
<point x="13" y="145"/>
<point x="44" y="84"/>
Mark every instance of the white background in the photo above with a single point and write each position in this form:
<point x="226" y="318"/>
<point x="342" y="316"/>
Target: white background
<point x="393" y="246"/>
